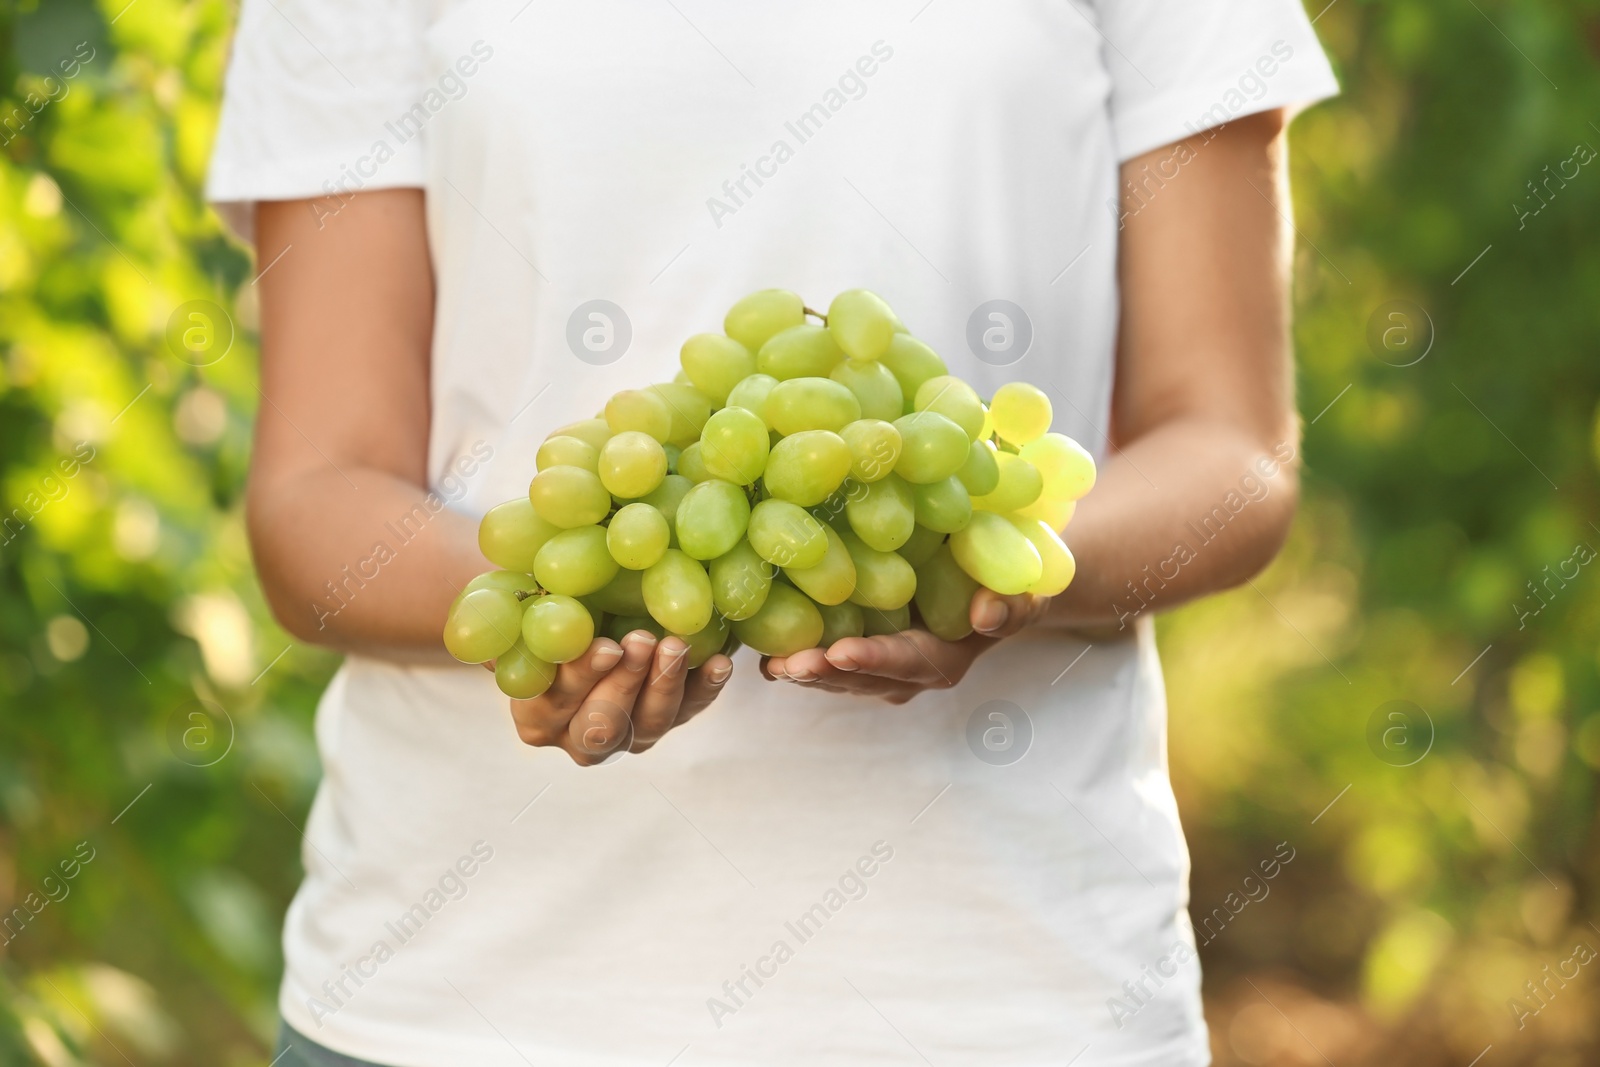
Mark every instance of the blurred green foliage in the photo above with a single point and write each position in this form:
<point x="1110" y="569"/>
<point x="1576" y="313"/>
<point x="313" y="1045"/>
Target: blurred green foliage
<point x="1421" y="898"/>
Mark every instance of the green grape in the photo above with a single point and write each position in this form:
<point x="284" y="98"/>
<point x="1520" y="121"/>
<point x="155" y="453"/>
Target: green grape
<point x="673" y="452"/>
<point x="483" y="625"/>
<point x="715" y="364"/>
<point x="760" y="315"/>
<point x="874" y="448"/>
<point x="831" y="581"/>
<point x="912" y="363"/>
<point x="876" y="623"/>
<point x="705" y="643"/>
<point x="734" y="446"/>
<point x="1020" y="484"/>
<point x="955" y="400"/>
<point x="637" y="536"/>
<point x="800" y="404"/>
<point x="569" y="496"/>
<point x="567" y="452"/>
<point x="1058" y="564"/>
<point x="677" y="591"/>
<point x="522" y="675"/>
<point x="981" y="472"/>
<point x="784" y="534"/>
<point x="511" y="534"/>
<point x="689" y="409"/>
<point x="575" y="562"/>
<point x="682" y="378"/>
<point x="944" y="505"/>
<point x="691" y="463"/>
<point x="666" y="497"/>
<point x="882" y="513"/>
<point x="632" y="464"/>
<point x="1020" y="413"/>
<point x="807" y="467"/>
<point x="556" y="628"/>
<point x="997" y="554"/>
<point x="883" y="579"/>
<point x="806" y="351"/>
<point x="622" y="595"/>
<point x="620" y="626"/>
<point x="931" y="447"/>
<point x="839" y="621"/>
<point x="921" y="546"/>
<point x="1067" y="468"/>
<point x="712" y="519"/>
<point x="861" y="323"/>
<point x="1055" y="514"/>
<point x="944" y="596"/>
<point x="593" y="432"/>
<point x="787" y="623"/>
<point x="510" y="581"/>
<point x="739" y="581"/>
<point x="643" y="410"/>
<point x="751" y="394"/>
<point x="874" y="386"/>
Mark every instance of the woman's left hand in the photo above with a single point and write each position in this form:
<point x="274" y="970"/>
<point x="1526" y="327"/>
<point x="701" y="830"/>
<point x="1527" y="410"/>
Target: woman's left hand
<point x="896" y="667"/>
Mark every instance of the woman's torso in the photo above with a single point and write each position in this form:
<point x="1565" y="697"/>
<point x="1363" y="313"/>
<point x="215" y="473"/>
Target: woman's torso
<point x="795" y="876"/>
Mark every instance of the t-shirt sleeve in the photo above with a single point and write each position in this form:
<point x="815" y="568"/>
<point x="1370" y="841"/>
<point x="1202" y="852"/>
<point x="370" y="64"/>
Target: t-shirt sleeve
<point x="312" y="92"/>
<point x="1181" y="66"/>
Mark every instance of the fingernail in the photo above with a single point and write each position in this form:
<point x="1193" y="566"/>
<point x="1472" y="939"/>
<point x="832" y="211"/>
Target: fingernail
<point x="991" y="617"/>
<point x="636" y="651"/>
<point x="673" y="660"/>
<point x="844" y="663"/>
<point x="800" y="675"/>
<point x="719" y="674"/>
<point x="605" y="658"/>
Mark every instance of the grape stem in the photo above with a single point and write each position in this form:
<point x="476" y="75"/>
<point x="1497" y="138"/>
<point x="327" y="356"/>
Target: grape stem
<point x="818" y="314"/>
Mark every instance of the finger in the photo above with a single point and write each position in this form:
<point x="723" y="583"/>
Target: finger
<point x="575" y="679"/>
<point x="914" y="656"/>
<point x="544" y="719"/>
<point x="998" y="616"/>
<point x="704" y="683"/>
<point x="603" y="722"/>
<point x="656" y="708"/>
<point x="802" y="666"/>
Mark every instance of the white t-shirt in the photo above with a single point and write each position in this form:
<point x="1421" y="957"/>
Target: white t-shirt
<point x="989" y="875"/>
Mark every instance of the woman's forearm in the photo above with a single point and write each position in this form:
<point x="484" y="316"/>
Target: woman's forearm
<point x="1189" y="508"/>
<point x="369" y="570"/>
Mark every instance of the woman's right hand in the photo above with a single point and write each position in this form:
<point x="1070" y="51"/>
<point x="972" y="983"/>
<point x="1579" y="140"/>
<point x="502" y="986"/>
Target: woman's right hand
<point x="617" y="698"/>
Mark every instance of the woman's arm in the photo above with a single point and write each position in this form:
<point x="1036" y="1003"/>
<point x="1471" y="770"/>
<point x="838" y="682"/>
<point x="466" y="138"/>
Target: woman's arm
<point x="342" y="432"/>
<point x="340" y="465"/>
<point x="1203" y="406"/>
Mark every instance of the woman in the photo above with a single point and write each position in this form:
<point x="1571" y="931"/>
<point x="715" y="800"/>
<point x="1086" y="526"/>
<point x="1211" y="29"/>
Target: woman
<point x="474" y="221"/>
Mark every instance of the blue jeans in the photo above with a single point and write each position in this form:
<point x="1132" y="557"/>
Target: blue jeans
<point x="297" y="1050"/>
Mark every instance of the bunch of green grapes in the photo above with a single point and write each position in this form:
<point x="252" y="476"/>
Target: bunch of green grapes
<point x="798" y="482"/>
